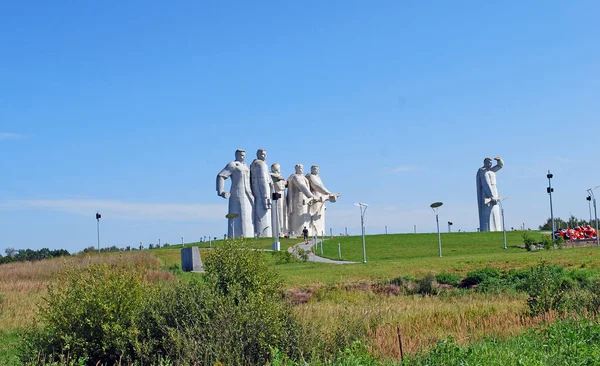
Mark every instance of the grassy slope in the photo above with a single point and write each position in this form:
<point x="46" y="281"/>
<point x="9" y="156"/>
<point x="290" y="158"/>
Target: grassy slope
<point x="389" y="256"/>
<point x="171" y="255"/>
<point x="393" y="255"/>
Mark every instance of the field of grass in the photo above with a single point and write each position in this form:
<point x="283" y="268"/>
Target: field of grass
<point x="338" y="296"/>
<point x="389" y="256"/>
<point x="171" y="255"/>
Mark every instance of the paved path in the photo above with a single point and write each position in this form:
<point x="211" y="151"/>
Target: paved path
<point x="312" y="256"/>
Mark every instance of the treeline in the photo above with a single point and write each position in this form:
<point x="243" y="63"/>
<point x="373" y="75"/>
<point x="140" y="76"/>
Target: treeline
<point x="22" y="255"/>
<point x="114" y="248"/>
<point x="562" y="224"/>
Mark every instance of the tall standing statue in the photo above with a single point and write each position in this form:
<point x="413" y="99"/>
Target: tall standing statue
<point x="298" y="199"/>
<point x="487" y="196"/>
<point x="279" y="184"/>
<point x="262" y="185"/>
<point x="321" y="194"/>
<point x="241" y="199"/>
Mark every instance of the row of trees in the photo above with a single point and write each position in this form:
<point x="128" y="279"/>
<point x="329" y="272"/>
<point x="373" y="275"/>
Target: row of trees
<point x="562" y="224"/>
<point x="22" y="255"/>
<point x="114" y="248"/>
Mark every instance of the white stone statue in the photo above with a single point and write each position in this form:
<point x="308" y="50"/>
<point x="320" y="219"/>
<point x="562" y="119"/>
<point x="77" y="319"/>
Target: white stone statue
<point x="262" y="185"/>
<point x="487" y="196"/>
<point x="241" y="200"/>
<point x="298" y="199"/>
<point x="317" y="209"/>
<point x="279" y="184"/>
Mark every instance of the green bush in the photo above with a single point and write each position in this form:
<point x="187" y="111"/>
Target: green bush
<point x="480" y="275"/>
<point x="88" y="315"/>
<point x="109" y="315"/>
<point x="547" y="242"/>
<point x="559" y="242"/>
<point x="448" y="278"/>
<point x="528" y="241"/>
<point x="546" y="289"/>
<point x="283" y="257"/>
<point x="426" y="286"/>
<point x="235" y="316"/>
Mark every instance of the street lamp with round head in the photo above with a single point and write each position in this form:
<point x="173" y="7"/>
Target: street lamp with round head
<point x="435" y="206"/>
<point x="231" y="216"/>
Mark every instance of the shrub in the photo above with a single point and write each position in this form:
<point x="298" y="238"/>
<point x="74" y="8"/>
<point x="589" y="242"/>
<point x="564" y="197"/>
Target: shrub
<point x="559" y="242"/>
<point x="425" y="285"/>
<point x="547" y="242"/>
<point x="302" y="253"/>
<point x="283" y="257"/>
<point x="480" y="275"/>
<point x="110" y="315"/>
<point x="88" y="315"/>
<point x="448" y="278"/>
<point x="528" y="241"/>
<point x="545" y="289"/>
<point x="235" y="316"/>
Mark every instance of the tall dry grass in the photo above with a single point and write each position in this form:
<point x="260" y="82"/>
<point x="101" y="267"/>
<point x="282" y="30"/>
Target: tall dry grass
<point x="24" y="284"/>
<point x="423" y="320"/>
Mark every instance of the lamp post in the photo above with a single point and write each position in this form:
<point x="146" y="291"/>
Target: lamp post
<point x="449" y="226"/>
<point x="98" y="216"/>
<point x="231" y="217"/>
<point x="502" y="213"/>
<point x="549" y="189"/>
<point x="591" y="192"/>
<point x="435" y="206"/>
<point x="363" y="209"/>
<point x="589" y="199"/>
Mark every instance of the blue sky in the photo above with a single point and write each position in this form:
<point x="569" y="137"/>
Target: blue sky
<point x="132" y="108"/>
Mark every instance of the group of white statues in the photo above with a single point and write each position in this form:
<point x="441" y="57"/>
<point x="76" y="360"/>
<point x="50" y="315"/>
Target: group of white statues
<point x="253" y="189"/>
<point x="488" y="199"/>
<point x="258" y="205"/>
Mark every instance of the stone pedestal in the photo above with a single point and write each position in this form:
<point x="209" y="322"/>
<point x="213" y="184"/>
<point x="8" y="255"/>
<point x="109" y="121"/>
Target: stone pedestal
<point x="190" y="260"/>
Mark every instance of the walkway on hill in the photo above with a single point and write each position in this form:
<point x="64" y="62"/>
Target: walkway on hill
<point x="312" y="256"/>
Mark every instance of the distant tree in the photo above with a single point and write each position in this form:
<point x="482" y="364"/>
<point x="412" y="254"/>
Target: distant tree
<point x="10" y="251"/>
<point x="561" y="224"/>
<point x="150" y="246"/>
<point x="558" y="223"/>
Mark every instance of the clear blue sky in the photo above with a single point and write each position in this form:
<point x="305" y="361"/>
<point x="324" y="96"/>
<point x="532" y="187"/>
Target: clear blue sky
<point x="131" y="108"/>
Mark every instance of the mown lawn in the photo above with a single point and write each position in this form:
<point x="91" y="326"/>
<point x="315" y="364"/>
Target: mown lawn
<point x="389" y="256"/>
<point x="393" y="255"/>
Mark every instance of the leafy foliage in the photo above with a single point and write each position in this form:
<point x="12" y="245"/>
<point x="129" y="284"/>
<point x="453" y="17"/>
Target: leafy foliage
<point x="90" y="315"/>
<point x="448" y="278"/>
<point x="23" y="255"/>
<point x="111" y="315"/>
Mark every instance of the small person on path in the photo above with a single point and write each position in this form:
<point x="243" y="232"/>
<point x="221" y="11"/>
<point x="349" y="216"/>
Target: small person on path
<point x="305" y="234"/>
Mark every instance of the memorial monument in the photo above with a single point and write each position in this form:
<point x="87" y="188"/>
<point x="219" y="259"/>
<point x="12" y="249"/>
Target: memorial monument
<point x="321" y="194"/>
<point x="279" y="184"/>
<point x="241" y="200"/>
<point x="487" y="195"/>
<point x="298" y="199"/>
<point x="262" y="186"/>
